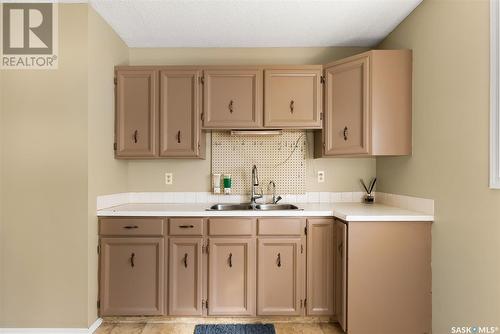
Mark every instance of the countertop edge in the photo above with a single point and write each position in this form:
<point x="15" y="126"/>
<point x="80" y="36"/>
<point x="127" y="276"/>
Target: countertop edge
<point x="301" y="213"/>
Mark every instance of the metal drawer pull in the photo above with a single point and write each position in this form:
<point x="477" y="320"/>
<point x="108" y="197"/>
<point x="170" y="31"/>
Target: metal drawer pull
<point x="135" y="136"/>
<point x="346" y="132"/>
<point x="230" y="260"/>
<point x="179" y="137"/>
<point x="279" y="260"/>
<point x="132" y="263"/>
<point x="129" y="227"/>
<point x="231" y="106"/>
<point x="186" y="226"/>
<point x="291" y="106"/>
<point x="185" y="260"/>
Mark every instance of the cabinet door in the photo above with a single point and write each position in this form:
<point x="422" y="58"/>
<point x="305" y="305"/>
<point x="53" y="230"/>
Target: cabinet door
<point x="185" y="276"/>
<point x="136" y="113"/>
<point x="346" y="104"/>
<point x="320" y="266"/>
<point x="232" y="99"/>
<point x="180" y="113"/>
<point x="131" y="273"/>
<point x="341" y="274"/>
<point x="293" y="98"/>
<point x="231" y="280"/>
<point x="279" y="277"/>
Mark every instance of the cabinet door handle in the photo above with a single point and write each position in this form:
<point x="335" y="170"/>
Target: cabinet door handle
<point x="185" y="260"/>
<point x="135" y="136"/>
<point x="186" y="226"/>
<point x="129" y="227"/>
<point x="179" y="136"/>
<point x="341" y="246"/>
<point x="231" y="106"/>
<point x="132" y="262"/>
<point x="278" y="261"/>
<point x="346" y="133"/>
<point x="230" y="260"/>
<point x="292" y="102"/>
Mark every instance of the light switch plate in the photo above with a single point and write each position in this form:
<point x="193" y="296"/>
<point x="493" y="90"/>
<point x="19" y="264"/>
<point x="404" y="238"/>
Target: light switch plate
<point x="321" y="176"/>
<point x="169" y="178"/>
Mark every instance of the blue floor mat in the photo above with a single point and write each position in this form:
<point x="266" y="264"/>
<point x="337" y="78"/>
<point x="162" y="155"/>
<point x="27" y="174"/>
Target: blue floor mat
<point x="235" y="329"/>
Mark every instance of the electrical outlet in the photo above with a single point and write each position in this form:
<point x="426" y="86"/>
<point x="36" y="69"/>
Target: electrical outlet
<point x="321" y="176"/>
<point x="169" y="178"/>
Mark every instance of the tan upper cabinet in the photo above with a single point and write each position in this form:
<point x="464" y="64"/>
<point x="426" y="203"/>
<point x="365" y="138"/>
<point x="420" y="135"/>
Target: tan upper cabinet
<point x="293" y="98"/>
<point x="367" y="105"/>
<point x="136" y="113"/>
<point x="232" y="98"/>
<point x="185" y="276"/>
<point x="180" y="110"/>
<point x="279" y="276"/>
<point x="131" y="276"/>
<point x="231" y="276"/>
<point x="320" y="266"/>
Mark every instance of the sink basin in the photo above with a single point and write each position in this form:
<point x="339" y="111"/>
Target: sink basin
<point x="231" y="207"/>
<point x="248" y="206"/>
<point x="266" y="207"/>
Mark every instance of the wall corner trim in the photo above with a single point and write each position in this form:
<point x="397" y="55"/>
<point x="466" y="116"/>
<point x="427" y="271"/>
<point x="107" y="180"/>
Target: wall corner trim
<point x="494" y="95"/>
<point x="89" y="330"/>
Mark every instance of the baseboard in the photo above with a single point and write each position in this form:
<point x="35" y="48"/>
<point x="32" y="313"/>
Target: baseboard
<point x="89" y="330"/>
<point x="94" y="326"/>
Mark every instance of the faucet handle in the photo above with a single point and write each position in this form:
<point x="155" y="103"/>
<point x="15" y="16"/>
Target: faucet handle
<point x="279" y="198"/>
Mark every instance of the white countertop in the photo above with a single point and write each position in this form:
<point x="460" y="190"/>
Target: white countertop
<point x="351" y="212"/>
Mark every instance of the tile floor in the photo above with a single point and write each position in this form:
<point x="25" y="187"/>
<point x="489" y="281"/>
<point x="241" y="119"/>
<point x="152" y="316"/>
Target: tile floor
<point x="188" y="328"/>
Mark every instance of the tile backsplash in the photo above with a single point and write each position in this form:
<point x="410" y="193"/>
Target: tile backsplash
<point x="280" y="158"/>
<point x="107" y="201"/>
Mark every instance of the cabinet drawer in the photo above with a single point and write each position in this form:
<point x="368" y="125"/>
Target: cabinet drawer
<point x="231" y="226"/>
<point x="186" y="226"/>
<point x="131" y="226"/>
<point x="281" y="226"/>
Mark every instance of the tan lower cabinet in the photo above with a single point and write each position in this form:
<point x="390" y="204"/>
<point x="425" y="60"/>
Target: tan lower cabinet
<point x="185" y="276"/>
<point x="231" y="276"/>
<point x="373" y="277"/>
<point x="279" y="276"/>
<point x="131" y="276"/>
<point x="388" y="277"/>
<point x="341" y="273"/>
<point x="320" y="266"/>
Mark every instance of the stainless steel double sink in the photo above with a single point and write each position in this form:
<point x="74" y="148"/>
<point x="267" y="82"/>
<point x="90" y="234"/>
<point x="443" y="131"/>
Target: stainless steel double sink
<point x="249" y="206"/>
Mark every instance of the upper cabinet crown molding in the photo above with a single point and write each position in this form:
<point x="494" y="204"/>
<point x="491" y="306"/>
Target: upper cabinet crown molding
<point x="368" y="103"/>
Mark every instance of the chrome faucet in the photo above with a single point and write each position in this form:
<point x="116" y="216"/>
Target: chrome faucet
<point x="275" y="199"/>
<point x="255" y="183"/>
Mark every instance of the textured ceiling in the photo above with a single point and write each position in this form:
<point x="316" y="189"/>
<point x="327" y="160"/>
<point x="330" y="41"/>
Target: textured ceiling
<point x="253" y="23"/>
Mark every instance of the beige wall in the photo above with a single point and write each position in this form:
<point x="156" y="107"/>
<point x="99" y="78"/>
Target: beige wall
<point x="342" y="174"/>
<point x="44" y="186"/>
<point x="105" y="174"/>
<point x="450" y="42"/>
